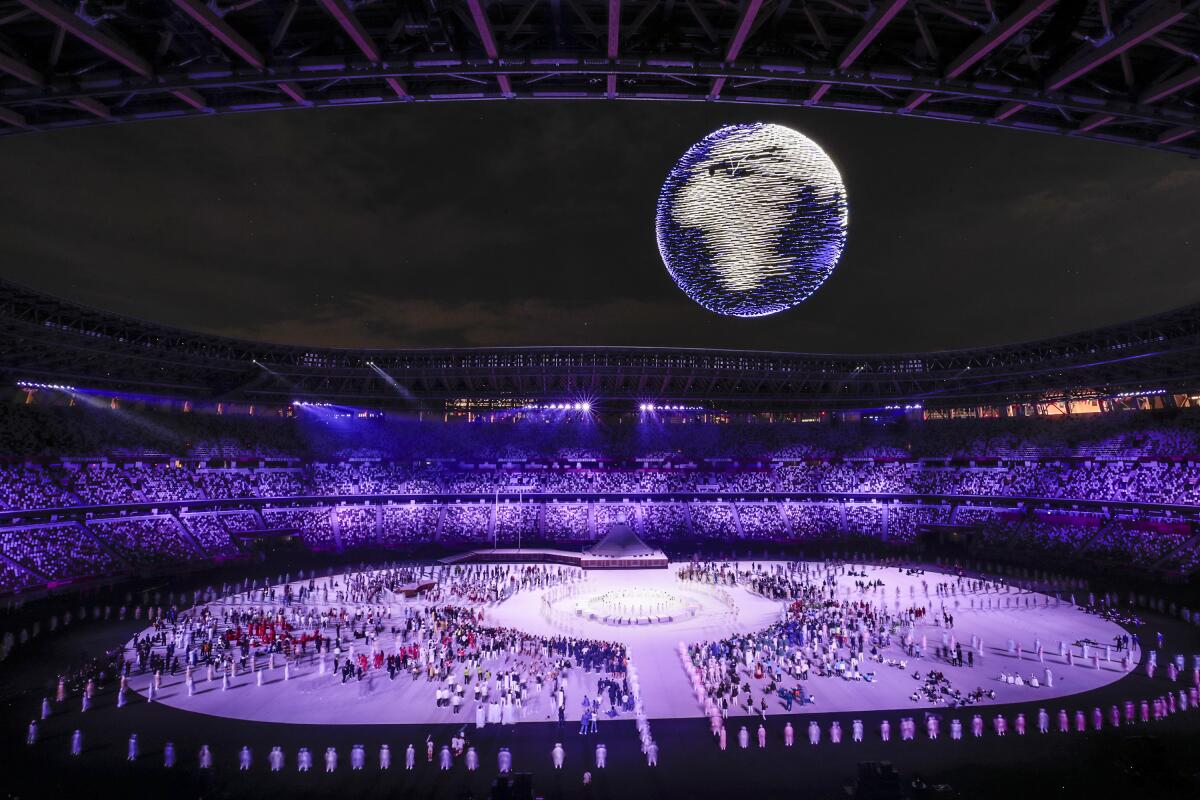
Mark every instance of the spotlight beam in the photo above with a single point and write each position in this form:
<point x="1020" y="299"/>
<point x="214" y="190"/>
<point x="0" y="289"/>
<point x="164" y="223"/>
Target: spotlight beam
<point x="390" y="381"/>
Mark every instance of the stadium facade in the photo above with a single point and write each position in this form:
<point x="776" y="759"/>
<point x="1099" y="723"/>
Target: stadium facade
<point x="49" y="341"/>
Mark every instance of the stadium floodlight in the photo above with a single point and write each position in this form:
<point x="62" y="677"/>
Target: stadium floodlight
<point x="38" y="385"/>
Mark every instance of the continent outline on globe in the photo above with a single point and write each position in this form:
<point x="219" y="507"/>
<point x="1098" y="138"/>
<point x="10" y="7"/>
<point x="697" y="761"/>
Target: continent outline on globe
<point x="752" y="219"/>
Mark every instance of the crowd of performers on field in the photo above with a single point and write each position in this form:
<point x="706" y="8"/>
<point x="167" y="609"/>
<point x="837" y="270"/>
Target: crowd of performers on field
<point x="449" y="644"/>
<point x="501" y="674"/>
<point x="906" y="728"/>
<point x="497" y="672"/>
<point x="827" y="634"/>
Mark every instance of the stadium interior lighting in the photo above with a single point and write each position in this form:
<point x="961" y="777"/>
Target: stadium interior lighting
<point x="582" y="406"/>
<point x="37" y="385"/>
<point x="649" y="407"/>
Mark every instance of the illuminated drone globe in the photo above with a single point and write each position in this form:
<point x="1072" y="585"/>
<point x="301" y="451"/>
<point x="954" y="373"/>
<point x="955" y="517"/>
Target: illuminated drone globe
<point x="752" y="219"/>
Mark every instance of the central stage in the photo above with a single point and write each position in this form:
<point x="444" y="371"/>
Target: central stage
<point x="621" y="548"/>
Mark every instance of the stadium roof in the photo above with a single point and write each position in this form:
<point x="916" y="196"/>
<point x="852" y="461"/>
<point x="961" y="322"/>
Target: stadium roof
<point x="1115" y="70"/>
<point x="49" y="340"/>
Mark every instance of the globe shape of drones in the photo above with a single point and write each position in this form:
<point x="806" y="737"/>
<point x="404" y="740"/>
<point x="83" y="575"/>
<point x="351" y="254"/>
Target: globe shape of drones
<point x="752" y="219"/>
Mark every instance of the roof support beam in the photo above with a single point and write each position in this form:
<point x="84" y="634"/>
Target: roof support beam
<point x="56" y="46"/>
<point x="946" y="11"/>
<point x="817" y="27"/>
<point x="926" y="35"/>
<point x="21" y="13"/>
<point x="742" y="32"/>
<point x="515" y="26"/>
<point x="1126" y="64"/>
<point x="702" y="21"/>
<point x="1170" y="86"/>
<point x="110" y="46"/>
<point x="914" y="100"/>
<point x="1007" y="110"/>
<point x="1158" y="18"/>
<point x="641" y="18"/>
<point x="999" y="33"/>
<point x="483" y="29"/>
<point x="874" y="26"/>
<point x="613" y="44"/>
<point x="285" y="24"/>
<point x="204" y="16"/>
<point x="1095" y="121"/>
<point x="1167" y="44"/>
<point x="582" y="14"/>
<point x="614" y="28"/>
<point x="21" y="71"/>
<point x="13" y="118"/>
<point x="107" y="44"/>
<point x="880" y="17"/>
<point x="225" y="34"/>
<point x="192" y="98"/>
<point x="737" y="41"/>
<point x="346" y="18"/>
<point x="1175" y="135"/>
<point x="293" y="91"/>
<point x="92" y="106"/>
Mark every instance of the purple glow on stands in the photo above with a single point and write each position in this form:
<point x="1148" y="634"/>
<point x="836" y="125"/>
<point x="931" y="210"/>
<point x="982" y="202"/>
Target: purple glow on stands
<point x="1136" y="475"/>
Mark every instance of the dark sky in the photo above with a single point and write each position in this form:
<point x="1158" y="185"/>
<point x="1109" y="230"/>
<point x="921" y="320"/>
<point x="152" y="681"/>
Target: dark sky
<point x="523" y="223"/>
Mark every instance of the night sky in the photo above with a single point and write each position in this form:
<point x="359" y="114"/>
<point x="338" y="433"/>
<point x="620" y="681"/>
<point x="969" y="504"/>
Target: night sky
<point x="485" y="224"/>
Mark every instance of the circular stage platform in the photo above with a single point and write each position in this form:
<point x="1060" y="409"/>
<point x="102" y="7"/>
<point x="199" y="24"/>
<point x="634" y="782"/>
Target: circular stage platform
<point x="310" y="693"/>
<point x="637" y="606"/>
